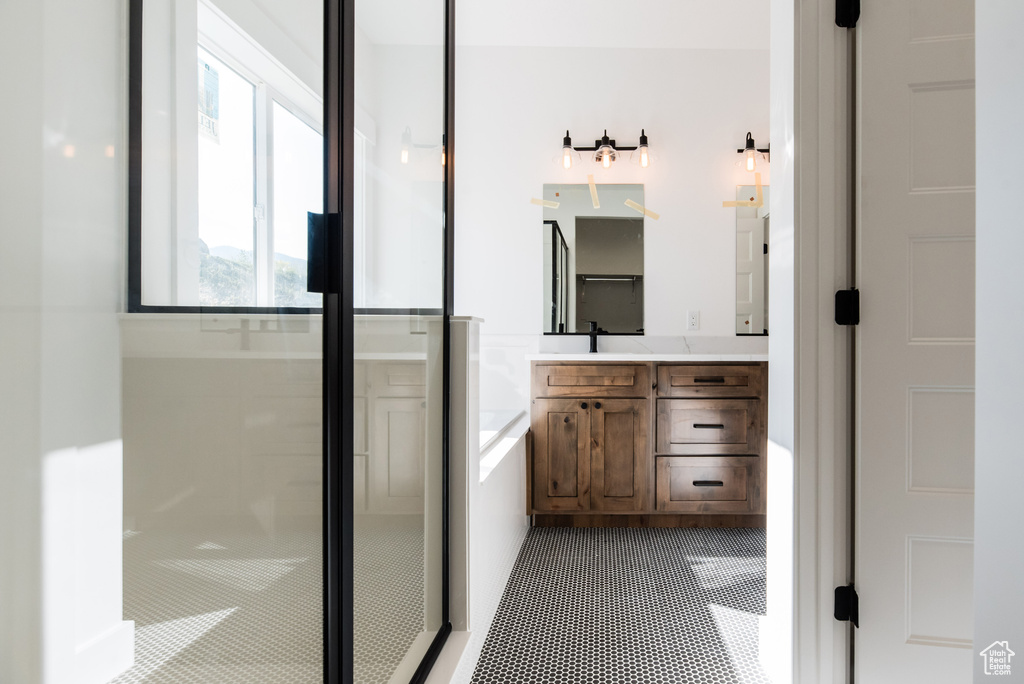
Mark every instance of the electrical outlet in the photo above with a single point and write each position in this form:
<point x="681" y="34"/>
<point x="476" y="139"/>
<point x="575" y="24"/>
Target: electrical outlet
<point x="693" y="320"/>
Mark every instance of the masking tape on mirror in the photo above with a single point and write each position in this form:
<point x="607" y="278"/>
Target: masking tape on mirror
<point x="757" y="202"/>
<point x="593" y="191"/>
<point x="643" y="210"/>
<point x="544" y="203"/>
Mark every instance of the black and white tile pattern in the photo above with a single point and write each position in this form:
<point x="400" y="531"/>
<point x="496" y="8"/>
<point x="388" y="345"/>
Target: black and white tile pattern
<point x="230" y="607"/>
<point x="242" y="607"/>
<point x="388" y="607"/>
<point x="630" y="605"/>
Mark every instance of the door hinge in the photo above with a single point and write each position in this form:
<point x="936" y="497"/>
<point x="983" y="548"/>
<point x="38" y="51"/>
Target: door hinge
<point x="846" y="607"/>
<point x="848" y="307"/>
<point x="766" y="248"/>
<point x="847" y="13"/>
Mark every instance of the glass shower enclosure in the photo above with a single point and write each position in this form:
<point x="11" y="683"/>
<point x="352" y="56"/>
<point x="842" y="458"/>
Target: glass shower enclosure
<point x="284" y="354"/>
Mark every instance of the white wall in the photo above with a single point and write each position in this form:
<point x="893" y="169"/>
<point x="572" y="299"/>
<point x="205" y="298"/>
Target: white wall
<point x="513" y="108"/>
<point x="808" y="356"/>
<point x="489" y="520"/>
<point x="999" y="328"/>
<point x="776" y="637"/>
<point x="61" y="243"/>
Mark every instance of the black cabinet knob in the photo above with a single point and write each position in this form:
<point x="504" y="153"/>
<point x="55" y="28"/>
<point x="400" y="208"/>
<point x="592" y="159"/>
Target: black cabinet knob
<point x="597" y="405"/>
<point x="583" y="405"/>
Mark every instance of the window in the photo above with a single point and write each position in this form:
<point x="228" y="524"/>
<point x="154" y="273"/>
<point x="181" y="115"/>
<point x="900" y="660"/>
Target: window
<point x="226" y="205"/>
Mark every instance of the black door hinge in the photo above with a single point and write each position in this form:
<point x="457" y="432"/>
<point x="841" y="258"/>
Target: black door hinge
<point x="848" y="307"/>
<point x="766" y="248"/>
<point x="847" y="13"/>
<point x="846" y="607"/>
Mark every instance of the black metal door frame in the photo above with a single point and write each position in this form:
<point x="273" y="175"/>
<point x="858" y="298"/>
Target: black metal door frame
<point x="338" y="330"/>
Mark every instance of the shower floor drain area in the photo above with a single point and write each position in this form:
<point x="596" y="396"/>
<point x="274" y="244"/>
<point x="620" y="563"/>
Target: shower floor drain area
<point x="601" y="605"/>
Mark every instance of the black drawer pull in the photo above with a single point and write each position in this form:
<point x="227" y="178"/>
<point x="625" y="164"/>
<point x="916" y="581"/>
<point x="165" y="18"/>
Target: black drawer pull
<point x="567" y="419"/>
<point x="708" y="483"/>
<point x="717" y="379"/>
<point x="708" y="426"/>
<point x="597" y="404"/>
<point x="583" y="405"/>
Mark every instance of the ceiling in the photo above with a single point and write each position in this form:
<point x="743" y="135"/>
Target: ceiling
<point x="682" y="24"/>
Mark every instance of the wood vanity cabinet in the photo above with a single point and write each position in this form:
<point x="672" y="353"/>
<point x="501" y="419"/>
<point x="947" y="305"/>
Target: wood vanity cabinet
<point x="591" y="438"/>
<point x="607" y="439"/>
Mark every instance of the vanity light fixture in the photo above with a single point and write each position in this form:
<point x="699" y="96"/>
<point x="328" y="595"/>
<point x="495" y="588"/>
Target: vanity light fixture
<point x="750" y="150"/>
<point x="605" y="151"/>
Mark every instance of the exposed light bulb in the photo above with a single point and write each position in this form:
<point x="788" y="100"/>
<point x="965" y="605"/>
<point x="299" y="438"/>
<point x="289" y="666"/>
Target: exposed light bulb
<point x="645" y="158"/>
<point x="443" y="157"/>
<point x="605" y="150"/>
<point x="751" y="163"/>
<point x="567" y="151"/>
<point x="750" y="151"/>
<point x="405" y="155"/>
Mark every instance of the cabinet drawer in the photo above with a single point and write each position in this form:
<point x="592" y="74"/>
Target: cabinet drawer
<point x="703" y="426"/>
<point x="599" y="380"/>
<point x="710" y="381"/>
<point x="693" y="484"/>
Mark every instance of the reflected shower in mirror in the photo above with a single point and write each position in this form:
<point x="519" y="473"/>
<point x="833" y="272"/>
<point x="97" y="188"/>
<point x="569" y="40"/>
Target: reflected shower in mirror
<point x="593" y="251"/>
<point x="752" y="220"/>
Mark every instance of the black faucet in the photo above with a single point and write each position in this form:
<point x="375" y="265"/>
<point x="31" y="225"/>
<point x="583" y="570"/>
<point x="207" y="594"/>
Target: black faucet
<point x="593" y="337"/>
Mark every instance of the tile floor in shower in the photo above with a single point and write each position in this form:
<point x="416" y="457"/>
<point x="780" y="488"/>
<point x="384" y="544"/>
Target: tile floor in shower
<point x="244" y="607"/>
<point x="630" y="605"/>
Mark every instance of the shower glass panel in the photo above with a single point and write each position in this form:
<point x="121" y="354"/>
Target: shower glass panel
<point x="398" y="229"/>
<point x="222" y="409"/>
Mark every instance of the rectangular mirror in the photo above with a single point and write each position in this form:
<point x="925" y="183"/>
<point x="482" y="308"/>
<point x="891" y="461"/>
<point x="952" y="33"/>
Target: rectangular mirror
<point x="593" y="259"/>
<point x="752" y="221"/>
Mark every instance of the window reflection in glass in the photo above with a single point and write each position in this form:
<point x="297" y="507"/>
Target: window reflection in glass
<point x="226" y="185"/>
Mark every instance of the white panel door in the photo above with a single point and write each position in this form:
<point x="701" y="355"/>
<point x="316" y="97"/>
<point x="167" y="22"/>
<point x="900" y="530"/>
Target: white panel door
<point x="397" y="455"/>
<point x="750" y="275"/>
<point x="915" y="459"/>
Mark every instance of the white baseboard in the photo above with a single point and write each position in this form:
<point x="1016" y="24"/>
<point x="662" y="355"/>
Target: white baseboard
<point x="103" y="658"/>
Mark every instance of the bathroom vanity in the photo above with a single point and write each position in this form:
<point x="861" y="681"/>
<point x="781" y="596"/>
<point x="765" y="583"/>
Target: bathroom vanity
<point x="648" y="443"/>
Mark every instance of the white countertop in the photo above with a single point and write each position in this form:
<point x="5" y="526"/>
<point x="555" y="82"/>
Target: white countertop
<point x="639" y="358"/>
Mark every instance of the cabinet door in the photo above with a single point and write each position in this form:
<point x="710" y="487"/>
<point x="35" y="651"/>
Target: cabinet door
<point x="619" y="458"/>
<point x="561" y="454"/>
<point x="397" y="455"/>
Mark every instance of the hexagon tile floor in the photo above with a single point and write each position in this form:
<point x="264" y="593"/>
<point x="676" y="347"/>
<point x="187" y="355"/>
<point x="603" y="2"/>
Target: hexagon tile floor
<point x="240" y="607"/>
<point x="617" y="606"/>
<point x="232" y="607"/>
